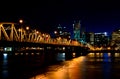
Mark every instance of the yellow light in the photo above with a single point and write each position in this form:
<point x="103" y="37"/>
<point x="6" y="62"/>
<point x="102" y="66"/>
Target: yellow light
<point x="21" y="21"/>
<point x="109" y="54"/>
<point x="43" y="34"/>
<point x="74" y="54"/>
<point x="27" y="28"/>
<point x="55" y="32"/>
<point x="46" y="35"/>
<point x="108" y="48"/>
<point x="37" y="32"/>
<point x="19" y="30"/>
<point x="117" y="54"/>
<point x="91" y="54"/>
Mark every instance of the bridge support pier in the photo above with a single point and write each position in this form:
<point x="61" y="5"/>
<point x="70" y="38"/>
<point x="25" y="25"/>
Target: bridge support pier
<point x="49" y="56"/>
<point x="68" y="55"/>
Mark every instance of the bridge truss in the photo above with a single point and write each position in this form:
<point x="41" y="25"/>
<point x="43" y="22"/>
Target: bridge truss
<point x="14" y="32"/>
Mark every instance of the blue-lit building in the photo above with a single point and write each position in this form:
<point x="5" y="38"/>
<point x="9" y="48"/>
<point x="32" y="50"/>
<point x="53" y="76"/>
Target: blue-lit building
<point x="78" y="32"/>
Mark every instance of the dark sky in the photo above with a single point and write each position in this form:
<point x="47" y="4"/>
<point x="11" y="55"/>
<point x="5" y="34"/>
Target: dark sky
<point x="95" y="15"/>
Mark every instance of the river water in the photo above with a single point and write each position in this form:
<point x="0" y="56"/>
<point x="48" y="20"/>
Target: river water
<point x="41" y="66"/>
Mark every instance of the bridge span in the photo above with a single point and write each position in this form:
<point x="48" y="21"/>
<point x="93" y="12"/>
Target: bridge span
<point x="15" y="35"/>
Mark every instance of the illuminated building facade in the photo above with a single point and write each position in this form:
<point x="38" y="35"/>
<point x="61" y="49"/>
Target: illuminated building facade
<point x="101" y="39"/>
<point x="76" y="30"/>
<point x="115" y="40"/>
<point x="98" y="39"/>
<point x="90" y="38"/>
<point x="79" y="34"/>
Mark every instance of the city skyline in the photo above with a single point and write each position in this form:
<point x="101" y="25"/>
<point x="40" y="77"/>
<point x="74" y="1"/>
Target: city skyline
<point x="95" y="16"/>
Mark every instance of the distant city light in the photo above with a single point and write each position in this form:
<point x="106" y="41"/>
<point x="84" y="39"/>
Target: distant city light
<point x="64" y="27"/>
<point x="5" y="55"/>
<point x="37" y="32"/>
<point x="105" y="33"/>
<point x="73" y="24"/>
<point x="55" y="32"/>
<point x="98" y="33"/>
<point x="60" y="31"/>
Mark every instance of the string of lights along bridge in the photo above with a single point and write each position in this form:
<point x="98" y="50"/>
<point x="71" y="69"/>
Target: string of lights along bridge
<point x="17" y="32"/>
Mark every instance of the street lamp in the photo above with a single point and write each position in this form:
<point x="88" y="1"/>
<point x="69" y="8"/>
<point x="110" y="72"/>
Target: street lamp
<point x="37" y="32"/>
<point x="21" y="22"/>
<point x="27" y="32"/>
<point x="27" y="28"/>
<point x="55" y="32"/>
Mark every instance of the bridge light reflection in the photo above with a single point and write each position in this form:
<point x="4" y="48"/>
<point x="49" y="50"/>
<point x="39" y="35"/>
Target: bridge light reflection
<point x="32" y="53"/>
<point x="27" y="53"/>
<point x="16" y="53"/>
<point x="108" y="48"/>
<point x="67" y="70"/>
<point x="5" y="65"/>
<point x="55" y="32"/>
<point x="21" y="53"/>
<point x="5" y="55"/>
<point x="117" y="54"/>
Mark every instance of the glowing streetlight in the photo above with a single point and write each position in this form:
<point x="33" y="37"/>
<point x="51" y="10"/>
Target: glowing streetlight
<point x="27" y="28"/>
<point x="21" y="21"/>
<point x="37" y="32"/>
<point x="19" y="29"/>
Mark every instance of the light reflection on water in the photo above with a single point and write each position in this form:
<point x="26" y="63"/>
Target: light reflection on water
<point x="69" y="70"/>
<point x="60" y="57"/>
<point x="92" y="66"/>
<point x="5" y="65"/>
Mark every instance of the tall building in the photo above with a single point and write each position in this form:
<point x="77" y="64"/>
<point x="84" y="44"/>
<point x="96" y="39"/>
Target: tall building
<point x="79" y="34"/>
<point x="101" y="39"/>
<point x="115" y="40"/>
<point x="83" y="35"/>
<point x="76" y="30"/>
<point x="90" y="38"/>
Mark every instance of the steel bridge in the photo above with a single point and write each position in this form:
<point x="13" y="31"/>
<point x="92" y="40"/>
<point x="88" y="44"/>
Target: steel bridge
<point x="15" y="32"/>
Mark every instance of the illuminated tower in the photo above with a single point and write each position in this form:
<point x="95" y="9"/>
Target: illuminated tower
<point x="76" y="30"/>
<point x="83" y="35"/>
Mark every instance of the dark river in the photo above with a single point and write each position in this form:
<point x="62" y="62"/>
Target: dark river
<point x="55" y="65"/>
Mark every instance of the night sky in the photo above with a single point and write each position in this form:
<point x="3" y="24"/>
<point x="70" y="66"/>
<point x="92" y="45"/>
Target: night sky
<point x="95" y="15"/>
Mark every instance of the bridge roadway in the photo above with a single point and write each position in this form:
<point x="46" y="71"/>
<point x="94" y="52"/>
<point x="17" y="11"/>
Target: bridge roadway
<point x="46" y="46"/>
